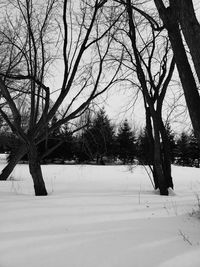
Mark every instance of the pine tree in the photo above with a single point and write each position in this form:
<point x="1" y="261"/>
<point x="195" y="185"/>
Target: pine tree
<point x="144" y="148"/>
<point x="98" y="138"/>
<point x="57" y="146"/>
<point x="171" y="138"/>
<point x="182" y="150"/>
<point x="194" y="151"/>
<point x="65" y="150"/>
<point x="125" y="141"/>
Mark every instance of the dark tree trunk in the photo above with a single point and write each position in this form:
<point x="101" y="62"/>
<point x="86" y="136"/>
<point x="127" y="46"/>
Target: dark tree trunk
<point x="97" y="159"/>
<point x="158" y="161"/>
<point x="155" y="177"/>
<point x="191" y="30"/>
<point x="167" y="167"/>
<point x="165" y="160"/>
<point x="187" y="79"/>
<point x="16" y="156"/>
<point x="151" y="146"/>
<point x="170" y="20"/>
<point x="149" y="134"/>
<point x="36" y="171"/>
<point x="166" y="155"/>
<point x="102" y="161"/>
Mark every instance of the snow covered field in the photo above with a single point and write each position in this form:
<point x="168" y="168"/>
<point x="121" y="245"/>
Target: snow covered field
<point x="99" y="216"/>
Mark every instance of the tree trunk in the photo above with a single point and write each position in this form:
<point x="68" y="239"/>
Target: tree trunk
<point x="158" y="161"/>
<point x="35" y="171"/>
<point x="187" y="79"/>
<point x="97" y="159"/>
<point x="161" y="156"/>
<point x="166" y="155"/>
<point x="16" y="156"/>
<point x="151" y="146"/>
<point x="155" y="177"/>
<point x="170" y="20"/>
<point x="191" y="30"/>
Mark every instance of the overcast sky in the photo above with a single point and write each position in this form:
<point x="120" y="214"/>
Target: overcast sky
<point x="118" y="101"/>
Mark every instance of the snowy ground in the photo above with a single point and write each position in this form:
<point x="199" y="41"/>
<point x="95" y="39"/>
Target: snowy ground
<point x="99" y="216"/>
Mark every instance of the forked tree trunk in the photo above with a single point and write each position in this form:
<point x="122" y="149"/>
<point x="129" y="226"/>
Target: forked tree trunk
<point x="14" y="159"/>
<point x="164" y="153"/>
<point x="36" y="171"/>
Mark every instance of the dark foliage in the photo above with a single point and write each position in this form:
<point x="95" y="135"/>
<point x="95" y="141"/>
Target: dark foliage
<point x="97" y="140"/>
<point x="187" y="150"/>
<point x="125" y="143"/>
<point x="98" y="143"/>
<point x="144" y="150"/>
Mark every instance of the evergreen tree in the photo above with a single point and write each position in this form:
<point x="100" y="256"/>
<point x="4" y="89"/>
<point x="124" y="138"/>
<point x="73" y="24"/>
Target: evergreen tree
<point x="172" y="143"/>
<point x="144" y="148"/>
<point x="125" y="141"/>
<point x="182" y="150"/>
<point x="194" y="151"/>
<point x="58" y="145"/>
<point x="98" y="138"/>
<point x="64" y="151"/>
<point x="81" y="151"/>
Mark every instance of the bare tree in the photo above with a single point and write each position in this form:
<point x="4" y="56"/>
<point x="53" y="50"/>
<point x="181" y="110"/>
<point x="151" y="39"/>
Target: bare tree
<point x="178" y="16"/>
<point x="31" y="37"/>
<point x="147" y="54"/>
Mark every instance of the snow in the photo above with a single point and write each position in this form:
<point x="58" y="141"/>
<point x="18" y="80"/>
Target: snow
<point x="99" y="216"/>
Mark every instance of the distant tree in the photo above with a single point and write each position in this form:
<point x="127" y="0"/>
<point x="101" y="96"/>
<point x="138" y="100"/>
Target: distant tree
<point x="171" y="137"/>
<point x="183" y="150"/>
<point x="98" y="138"/>
<point x="67" y="149"/>
<point x="194" y="151"/>
<point x="58" y="146"/>
<point x="144" y="150"/>
<point x="6" y="141"/>
<point x="125" y="140"/>
<point x="81" y="151"/>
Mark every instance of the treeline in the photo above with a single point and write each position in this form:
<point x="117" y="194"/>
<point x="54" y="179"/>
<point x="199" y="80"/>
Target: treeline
<point x="101" y="142"/>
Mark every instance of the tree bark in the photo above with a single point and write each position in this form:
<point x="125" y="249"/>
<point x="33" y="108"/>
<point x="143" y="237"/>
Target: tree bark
<point x="164" y="151"/>
<point x="187" y="79"/>
<point x="36" y="171"/>
<point x="17" y="155"/>
<point x="158" y="160"/>
<point x="170" y="20"/>
<point x="151" y="146"/>
<point x="191" y="30"/>
<point x="166" y="156"/>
